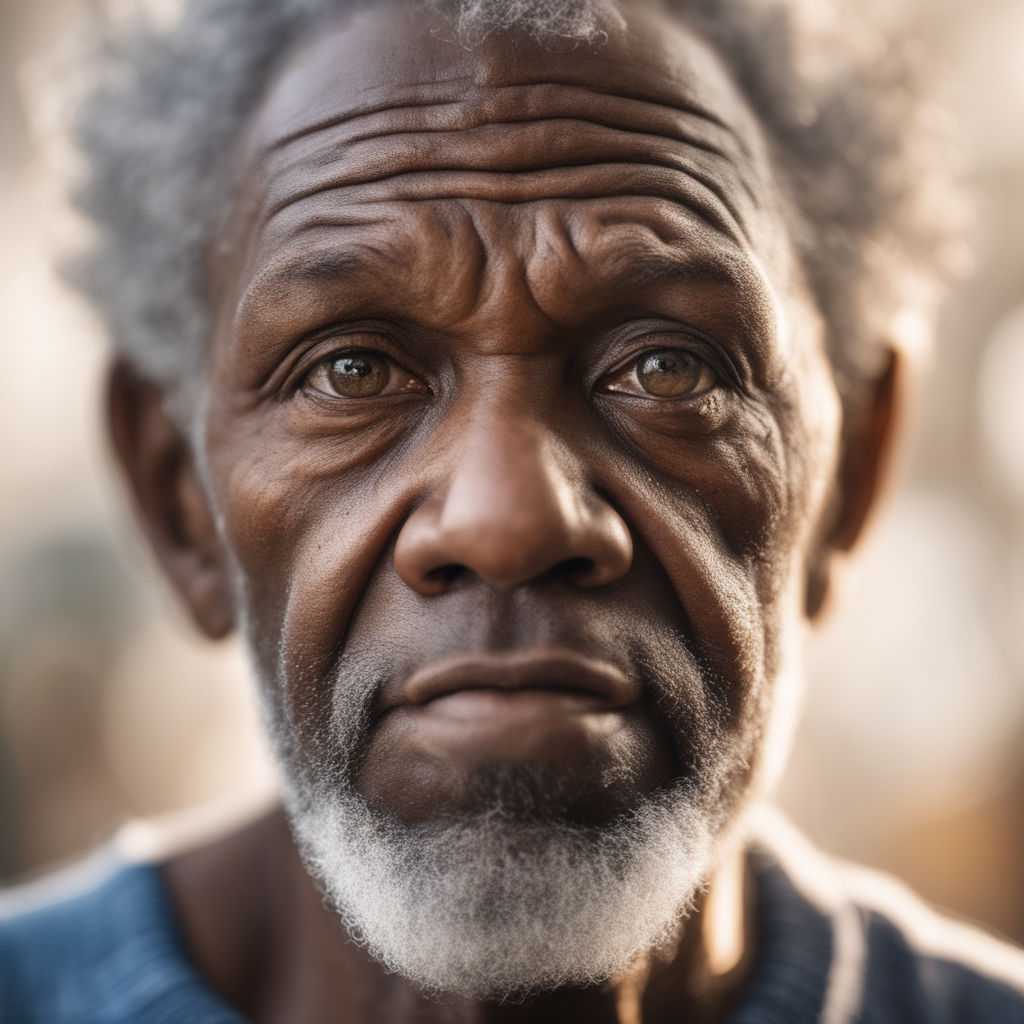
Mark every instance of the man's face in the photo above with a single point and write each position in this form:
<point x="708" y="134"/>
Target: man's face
<point x="520" y="424"/>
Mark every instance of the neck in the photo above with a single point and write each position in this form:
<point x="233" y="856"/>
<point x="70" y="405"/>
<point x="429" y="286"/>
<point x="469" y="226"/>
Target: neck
<point x="260" y="935"/>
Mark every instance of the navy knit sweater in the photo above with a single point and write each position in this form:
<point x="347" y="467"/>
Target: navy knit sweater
<point x="835" y="945"/>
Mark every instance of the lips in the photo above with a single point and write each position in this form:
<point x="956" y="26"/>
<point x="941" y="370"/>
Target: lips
<point x="444" y="730"/>
<point x="556" y="671"/>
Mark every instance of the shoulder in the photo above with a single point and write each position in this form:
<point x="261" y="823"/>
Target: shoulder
<point x="920" y="964"/>
<point x="891" y="956"/>
<point x="100" y="944"/>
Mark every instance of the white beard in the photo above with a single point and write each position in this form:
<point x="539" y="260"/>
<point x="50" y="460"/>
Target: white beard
<point x="501" y="903"/>
<point x="491" y="907"/>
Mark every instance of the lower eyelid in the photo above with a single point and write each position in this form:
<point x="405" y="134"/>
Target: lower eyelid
<point x="400" y="384"/>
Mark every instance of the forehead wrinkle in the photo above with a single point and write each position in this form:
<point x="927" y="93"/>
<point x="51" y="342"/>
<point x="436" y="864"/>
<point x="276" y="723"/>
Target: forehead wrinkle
<point x="677" y="106"/>
<point x="383" y="157"/>
<point x="616" y="180"/>
<point x="530" y="141"/>
<point x="414" y="96"/>
<point x="508" y="105"/>
<point x="326" y="152"/>
<point x="700" y="165"/>
<point x="411" y="137"/>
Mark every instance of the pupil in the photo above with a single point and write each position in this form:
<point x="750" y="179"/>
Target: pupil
<point x="351" y="367"/>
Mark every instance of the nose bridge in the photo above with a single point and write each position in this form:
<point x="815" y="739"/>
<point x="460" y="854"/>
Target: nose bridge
<point x="510" y="503"/>
<point x="512" y="475"/>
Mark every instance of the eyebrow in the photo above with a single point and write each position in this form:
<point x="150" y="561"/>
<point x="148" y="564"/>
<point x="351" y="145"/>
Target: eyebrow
<point x="334" y="265"/>
<point x="319" y="267"/>
<point x="325" y="265"/>
<point x="675" y="262"/>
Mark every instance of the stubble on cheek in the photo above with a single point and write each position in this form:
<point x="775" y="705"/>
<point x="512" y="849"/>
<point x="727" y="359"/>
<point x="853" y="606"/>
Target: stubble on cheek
<point x="320" y="725"/>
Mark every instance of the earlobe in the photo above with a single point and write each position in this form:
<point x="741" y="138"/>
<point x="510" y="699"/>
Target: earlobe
<point x="170" y="500"/>
<point x="870" y="443"/>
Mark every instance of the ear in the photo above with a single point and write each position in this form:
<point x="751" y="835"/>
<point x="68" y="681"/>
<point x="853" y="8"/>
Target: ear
<point x="871" y="440"/>
<point x="170" y="501"/>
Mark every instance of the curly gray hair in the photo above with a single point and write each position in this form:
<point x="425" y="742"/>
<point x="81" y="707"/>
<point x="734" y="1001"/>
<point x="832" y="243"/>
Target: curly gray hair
<point x="167" y="99"/>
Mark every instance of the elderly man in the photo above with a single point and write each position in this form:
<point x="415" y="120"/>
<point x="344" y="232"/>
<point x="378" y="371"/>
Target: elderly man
<point x="512" y="376"/>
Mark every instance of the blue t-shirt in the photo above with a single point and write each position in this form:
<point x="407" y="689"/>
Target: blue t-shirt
<point x="835" y="945"/>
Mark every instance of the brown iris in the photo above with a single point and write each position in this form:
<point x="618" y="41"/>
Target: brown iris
<point x="673" y="373"/>
<point x="358" y="375"/>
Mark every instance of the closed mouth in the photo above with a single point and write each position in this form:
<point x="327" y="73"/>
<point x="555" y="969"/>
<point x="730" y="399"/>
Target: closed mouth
<point x="556" y="671"/>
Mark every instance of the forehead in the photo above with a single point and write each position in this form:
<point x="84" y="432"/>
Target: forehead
<point x="383" y="136"/>
<point x="393" y="55"/>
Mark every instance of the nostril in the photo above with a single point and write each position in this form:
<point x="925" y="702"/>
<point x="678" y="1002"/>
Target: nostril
<point x="446" y="574"/>
<point x="574" y="569"/>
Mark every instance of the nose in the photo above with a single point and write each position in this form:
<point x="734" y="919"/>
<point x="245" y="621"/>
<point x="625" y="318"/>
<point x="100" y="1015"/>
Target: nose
<point x="514" y="506"/>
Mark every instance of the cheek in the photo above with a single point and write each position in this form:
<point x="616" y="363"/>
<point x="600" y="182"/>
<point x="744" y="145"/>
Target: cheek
<point x="307" y="523"/>
<point x="728" y="513"/>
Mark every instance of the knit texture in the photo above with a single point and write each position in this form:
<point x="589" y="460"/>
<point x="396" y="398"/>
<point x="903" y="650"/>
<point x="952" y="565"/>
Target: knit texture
<point x="835" y="945"/>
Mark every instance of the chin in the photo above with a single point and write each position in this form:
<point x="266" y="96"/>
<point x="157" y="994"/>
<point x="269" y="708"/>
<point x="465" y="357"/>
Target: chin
<point x="505" y="902"/>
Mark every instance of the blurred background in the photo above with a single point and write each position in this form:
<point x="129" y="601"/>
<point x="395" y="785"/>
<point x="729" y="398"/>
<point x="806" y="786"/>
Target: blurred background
<point x="911" y="752"/>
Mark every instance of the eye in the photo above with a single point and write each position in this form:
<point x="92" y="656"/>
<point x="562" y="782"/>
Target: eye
<point x="359" y="374"/>
<point x="664" y="373"/>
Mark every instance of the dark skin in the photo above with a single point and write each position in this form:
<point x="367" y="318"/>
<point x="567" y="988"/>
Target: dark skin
<point x="514" y="375"/>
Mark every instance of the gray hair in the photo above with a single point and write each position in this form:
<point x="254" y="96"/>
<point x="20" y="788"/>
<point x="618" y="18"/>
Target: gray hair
<point x="167" y="100"/>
